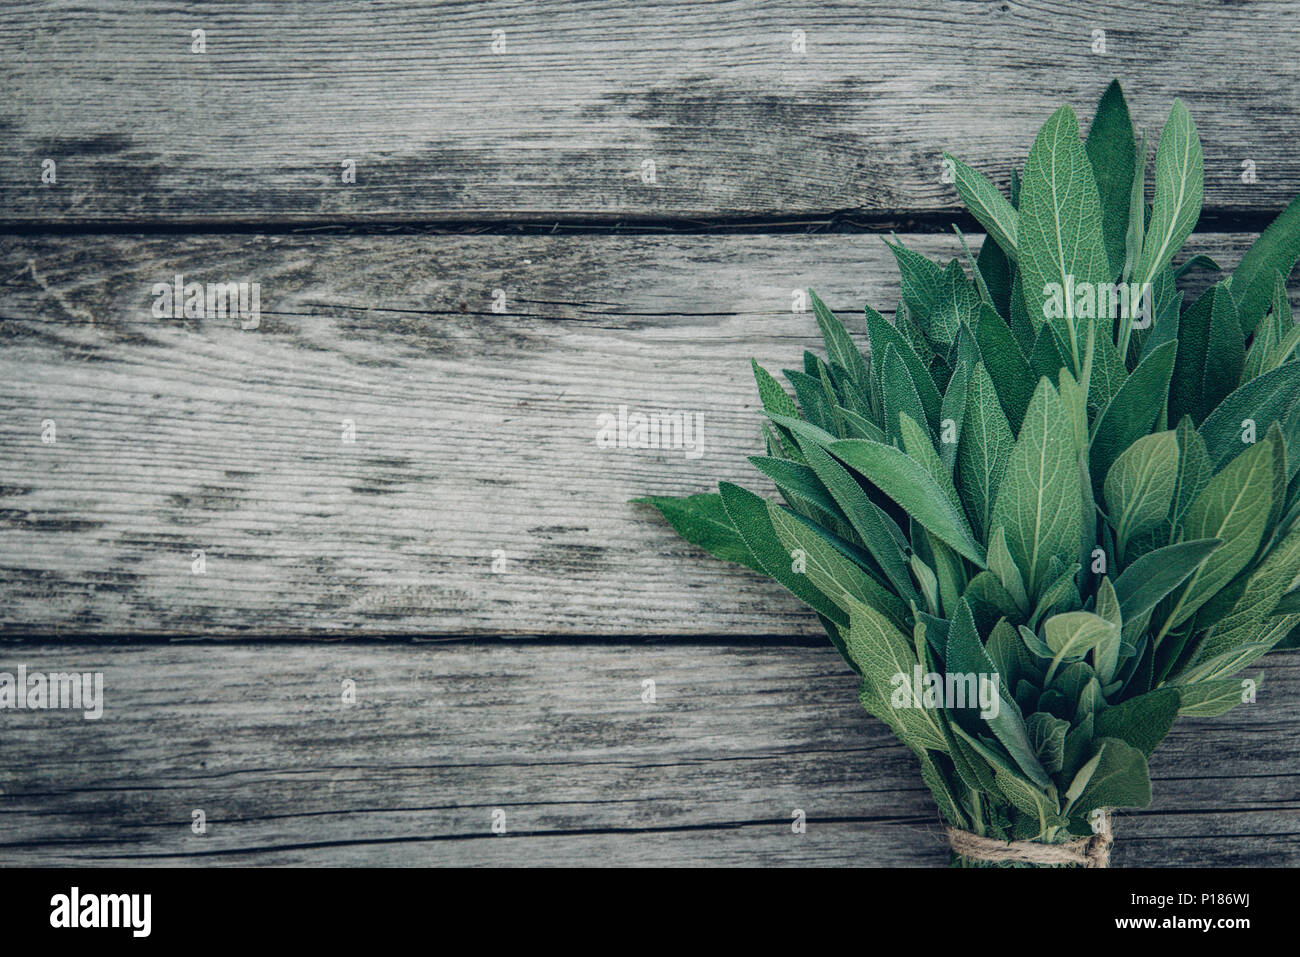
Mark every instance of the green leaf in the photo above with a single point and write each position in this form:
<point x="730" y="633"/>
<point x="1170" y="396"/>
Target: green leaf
<point x="955" y="398"/>
<point x="1209" y="699"/>
<point x="881" y="334"/>
<point x="812" y="398"/>
<point x="996" y="269"/>
<point x="1012" y="659"/>
<point x="1042" y="475"/>
<point x="1230" y="662"/>
<point x="1142" y="721"/>
<point x="1177" y="202"/>
<point x="839" y="346"/>
<point x="1004" y="567"/>
<point x="919" y="446"/>
<point x="703" y="521"/>
<point x="966" y="655"/>
<point x="900" y="394"/>
<point x="1275" y="339"/>
<point x="774" y="398"/>
<point x="864" y="515"/>
<point x="1061" y="595"/>
<point x="1198" y="261"/>
<point x="797" y="481"/>
<point x="1078" y="742"/>
<point x="748" y="513"/>
<point x="984" y="450"/>
<point x="1156" y="574"/>
<point x="1137" y="208"/>
<point x="1211" y="355"/>
<point x="1113" y="156"/>
<point x="1073" y="634"/>
<point x="1115" y="777"/>
<point x="928" y="582"/>
<point x="1233" y="507"/>
<point x="1272" y="579"/>
<point x="943" y="796"/>
<point x="1135" y="408"/>
<point x="1031" y="800"/>
<point x="1263" y="400"/>
<point x="882" y="652"/>
<point x="1046" y="358"/>
<point x="829" y="570"/>
<point x="1194" y="469"/>
<point x="908" y="483"/>
<point x="1275" y="251"/>
<point x="986" y="204"/>
<point x="921" y="281"/>
<point x="957" y="303"/>
<point x="1140" y="486"/>
<point x="1047" y="738"/>
<point x="989" y="601"/>
<point x="1105" y="656"/>
<point x="1060" y="231"/>
<point x="1006" y="366"/>
<point x="1109" y="374"/>
<point x="1035" y="644"/>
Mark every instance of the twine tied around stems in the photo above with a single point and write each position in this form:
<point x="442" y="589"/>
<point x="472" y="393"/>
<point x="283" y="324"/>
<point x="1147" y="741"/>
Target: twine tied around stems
<point x="1091" y="851"/>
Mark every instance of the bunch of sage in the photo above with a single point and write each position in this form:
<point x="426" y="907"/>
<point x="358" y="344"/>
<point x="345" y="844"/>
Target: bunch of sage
<point x="1051" y="509"/>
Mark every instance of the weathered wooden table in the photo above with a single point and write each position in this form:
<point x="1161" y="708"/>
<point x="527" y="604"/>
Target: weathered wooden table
<point x="359" y="580"/>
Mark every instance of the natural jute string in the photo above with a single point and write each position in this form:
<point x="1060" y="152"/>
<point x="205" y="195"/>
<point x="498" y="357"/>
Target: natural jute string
<point x="1086" y="851"/>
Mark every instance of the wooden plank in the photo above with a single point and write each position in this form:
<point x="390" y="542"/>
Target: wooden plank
<point x="558" y="125"/>
<point x="475" y="433"/>
<point x="560" y="739"/>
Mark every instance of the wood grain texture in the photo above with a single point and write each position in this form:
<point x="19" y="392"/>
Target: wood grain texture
<point x="475" y="432"/>
<point x="559" y="738"/>
<point x="559" y="124"/>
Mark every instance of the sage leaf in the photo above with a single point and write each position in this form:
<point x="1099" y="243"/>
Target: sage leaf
<point x="1140" y="486"/>
<point x="1113" y="156"/>
<point x="1176" y="206"/>
<point x="1143" y="721"/>
<point x="1060" y="227"/>
<point x="1042" y="472"/>
<point x="986" y="204"/>
<point x="1275" y="251"/>
<point x="1117" y="776"/>
<point x="908" y="483"/>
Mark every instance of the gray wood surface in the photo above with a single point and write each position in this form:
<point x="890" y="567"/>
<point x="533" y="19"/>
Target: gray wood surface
<point x="559" y="738"/>
<point x="475" y="424"/>
<point x="559" y="124"/>
<point x="475" y="432"/>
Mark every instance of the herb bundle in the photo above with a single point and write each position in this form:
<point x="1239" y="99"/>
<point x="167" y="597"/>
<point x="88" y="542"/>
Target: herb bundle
<point x="1053" y="508"/>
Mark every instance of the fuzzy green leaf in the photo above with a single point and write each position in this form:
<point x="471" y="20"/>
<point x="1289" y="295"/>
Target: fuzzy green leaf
<point x="1115" y="777"/>
<point x="1060" y="232"/>
<point x="1211" y="355"/>
<point x="1275" y="251"/>
<point x="1209" y="699"/>
<point x="986" y="204"/>
<point x="1177" y="203"/>
<point x="703" y="521"/>
<point x="1113" y="156"/>
<point x="915" y="490"/>
<point x="1042" y="474"/>
<point x="1133" y="411"/>
<point x="1142" y="721"/>
<point x="1233" y="507"/>
<point x="1263" y="400"/>
<point x="748" y="514"/>
<point x="839" y="346"/>
<point x="1140" y="486"/>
